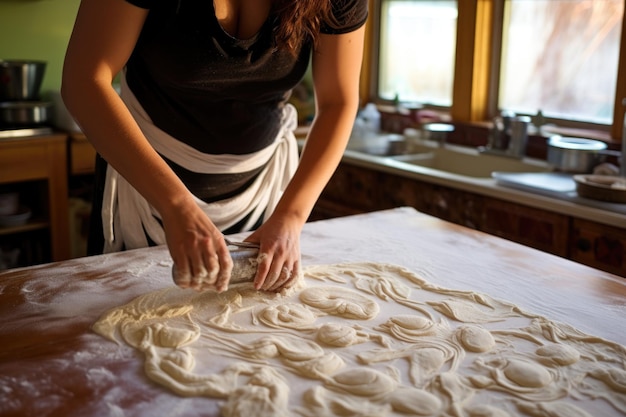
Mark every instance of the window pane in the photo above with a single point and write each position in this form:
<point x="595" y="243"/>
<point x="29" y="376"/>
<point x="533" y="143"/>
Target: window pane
<point x="417" y="47"/>
<point x="561" y="56"/>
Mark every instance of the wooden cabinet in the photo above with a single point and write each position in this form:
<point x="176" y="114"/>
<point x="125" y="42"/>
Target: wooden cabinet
<point x="37" y="168"/>
<point x="82" y="156"/>
<point x="355" y="189"/>
<point x="599" y="246"/>
<point x="350" y="191"/>
<point x="539" y="229"/>
<point x="445" y="203"/>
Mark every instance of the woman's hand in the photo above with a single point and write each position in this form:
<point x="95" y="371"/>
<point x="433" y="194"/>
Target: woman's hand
<point x="279" y="253"/>
<point x="201" y="257"/>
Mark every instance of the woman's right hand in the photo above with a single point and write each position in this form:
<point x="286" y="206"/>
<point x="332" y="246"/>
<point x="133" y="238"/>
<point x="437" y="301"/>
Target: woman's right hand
<point x="201" y="257"/>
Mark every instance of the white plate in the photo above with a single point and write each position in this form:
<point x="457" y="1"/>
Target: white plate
<point x="16" y="219"/>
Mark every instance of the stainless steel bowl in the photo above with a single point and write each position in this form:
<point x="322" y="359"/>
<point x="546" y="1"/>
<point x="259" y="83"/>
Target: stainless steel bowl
<point x="21" y="80"/>
<point x="438" y="132"/>
<point x="24" y="113"/>
<point x="575" y="155"/>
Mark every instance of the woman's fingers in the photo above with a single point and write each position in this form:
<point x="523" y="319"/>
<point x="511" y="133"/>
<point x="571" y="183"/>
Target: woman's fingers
<point x="274" y="276"/>
<point x="275" y="273"/>
<point x="199" y="271"/>
<point x="225" y="269"/>
<point x="211" y="262"/>
<point x="293" y="277"/>
<point x="288" y="277"/>
<point x="181" y="275"/>
<point x="208" y="265"/>
<point x="284" y="277"/>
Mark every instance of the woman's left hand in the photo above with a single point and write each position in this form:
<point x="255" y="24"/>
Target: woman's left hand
<point x="279" y="254"/>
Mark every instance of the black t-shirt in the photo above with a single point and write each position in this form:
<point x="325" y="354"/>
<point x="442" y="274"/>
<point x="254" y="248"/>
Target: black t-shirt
<point x="214" y="92"/>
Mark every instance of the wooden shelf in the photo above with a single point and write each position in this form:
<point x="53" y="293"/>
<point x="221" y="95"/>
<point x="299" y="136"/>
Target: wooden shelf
<point x="29" y="226"/>
<point x="40" y="158"/>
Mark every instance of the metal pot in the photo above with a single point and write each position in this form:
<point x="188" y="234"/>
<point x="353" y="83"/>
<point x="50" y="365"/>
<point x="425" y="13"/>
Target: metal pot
<point x="21" y="80"/>
<point x="24" y="113"/>
<point x="438" y="132"/>
<point x="576" y="155"/>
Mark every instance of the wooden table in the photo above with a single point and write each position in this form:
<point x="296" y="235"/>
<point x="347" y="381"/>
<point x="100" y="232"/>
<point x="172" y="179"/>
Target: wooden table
<point x="52" y="364"/>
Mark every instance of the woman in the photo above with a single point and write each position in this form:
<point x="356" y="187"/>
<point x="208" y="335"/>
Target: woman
<point x="199" y="142"/>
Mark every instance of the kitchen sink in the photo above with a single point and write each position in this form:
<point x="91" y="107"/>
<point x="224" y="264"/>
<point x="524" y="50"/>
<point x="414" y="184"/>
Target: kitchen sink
<point x="389" y="145"/>
<point x="449" y="158"/>
<point x="470" y="162"/>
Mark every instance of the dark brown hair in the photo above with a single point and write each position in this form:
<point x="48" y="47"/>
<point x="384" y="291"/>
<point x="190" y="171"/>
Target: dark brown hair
<point x="299" y="20"/>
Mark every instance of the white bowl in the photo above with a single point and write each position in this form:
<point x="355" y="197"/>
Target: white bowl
<point x="602" y="187"/>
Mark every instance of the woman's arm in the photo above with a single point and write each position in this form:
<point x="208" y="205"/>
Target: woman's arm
<point x="104" y="36"/>
<point x="336" y="73"/>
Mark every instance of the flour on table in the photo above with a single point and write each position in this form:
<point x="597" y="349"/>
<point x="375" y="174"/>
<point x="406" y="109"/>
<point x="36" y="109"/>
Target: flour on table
<point x="367" y="339"/>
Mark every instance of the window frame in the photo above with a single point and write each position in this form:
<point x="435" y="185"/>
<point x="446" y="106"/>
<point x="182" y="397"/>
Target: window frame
<point x="477" y="66"/>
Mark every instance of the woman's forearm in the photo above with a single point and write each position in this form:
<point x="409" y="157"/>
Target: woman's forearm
<point x="320" y="157"/>
<point x="336" y="69"/>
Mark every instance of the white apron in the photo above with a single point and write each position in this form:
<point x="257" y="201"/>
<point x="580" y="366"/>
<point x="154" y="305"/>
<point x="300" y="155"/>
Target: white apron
<point x="127" y="217"/>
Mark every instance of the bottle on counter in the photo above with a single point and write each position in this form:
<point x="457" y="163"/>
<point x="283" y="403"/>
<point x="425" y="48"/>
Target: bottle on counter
<point x="365" y="134"/>
<point x="371" y="117"/>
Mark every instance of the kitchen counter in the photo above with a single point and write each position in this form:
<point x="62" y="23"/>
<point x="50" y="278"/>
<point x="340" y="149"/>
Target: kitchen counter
<point x="570" y="204"/>
<point x="51" y="363"/>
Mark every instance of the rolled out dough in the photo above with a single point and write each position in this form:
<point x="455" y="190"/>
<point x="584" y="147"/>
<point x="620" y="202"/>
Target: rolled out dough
<point x="368" y="339"/>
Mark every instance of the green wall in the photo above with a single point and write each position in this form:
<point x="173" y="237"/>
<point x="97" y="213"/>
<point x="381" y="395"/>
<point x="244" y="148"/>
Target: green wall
<point x="37" y="30"/>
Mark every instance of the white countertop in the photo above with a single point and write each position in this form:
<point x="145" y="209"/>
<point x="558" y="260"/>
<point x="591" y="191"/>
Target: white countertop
<point x="570" y="204"/>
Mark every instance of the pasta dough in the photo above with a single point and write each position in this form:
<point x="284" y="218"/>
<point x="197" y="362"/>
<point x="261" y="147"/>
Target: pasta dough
<point x="367" y="339"/>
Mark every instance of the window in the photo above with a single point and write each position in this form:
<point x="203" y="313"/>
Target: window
<point x="561" y="56"/>
<point x="557" y="56"/>
<point x="416" y="55"/>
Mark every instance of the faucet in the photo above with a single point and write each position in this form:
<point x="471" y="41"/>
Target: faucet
<point x="519" y="136"/>
<point x="498" y="135"/>
<point x="509" y="135"/>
